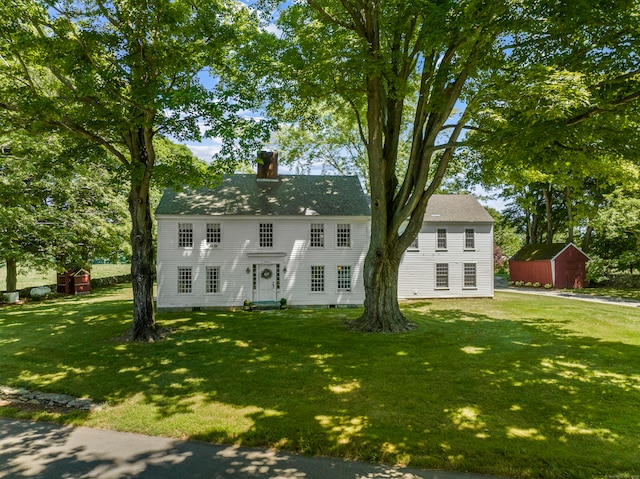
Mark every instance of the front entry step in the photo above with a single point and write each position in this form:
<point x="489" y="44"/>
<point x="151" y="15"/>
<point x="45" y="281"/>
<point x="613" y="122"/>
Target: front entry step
<point x="264" y="305"/>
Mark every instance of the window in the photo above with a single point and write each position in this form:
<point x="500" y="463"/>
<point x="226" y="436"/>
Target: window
<point x="184" y="280"/>
<point x="442" y="239"/>
<point x="317" y="279"/>
<point x="414" y="246"/>
<point x="185" y="235"/>
<point x="469" y="275"/>
<point x="214" y="234"/>
<point x="317" y="235"/>
<point x="469" y="238"/>
<point x="344" y="278"/>
<point x="265" y="235"/>
<point x="213" y="279"/>
<point x="343" y="236"/>
<point x="442" y="275"/>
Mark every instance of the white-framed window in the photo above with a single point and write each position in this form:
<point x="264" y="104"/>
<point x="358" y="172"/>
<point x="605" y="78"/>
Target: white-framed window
<point x="316" y="235"/>
<point x="265" y="235"/>
<point x="343" y="235"/>
<point x="470" y="275"/>
<point x="214" y="234"/>
<point x="415" y="246"/>
<point x="344" y="279"/>
<point x="442" y="275"/>
<point x="317" y="279"/>
<point x="441" y="239"/>
<point x="185" y="235"/>
<point x="213" y="279"/>
<point x="469" y="238"/>
<point x="185" y="280"/>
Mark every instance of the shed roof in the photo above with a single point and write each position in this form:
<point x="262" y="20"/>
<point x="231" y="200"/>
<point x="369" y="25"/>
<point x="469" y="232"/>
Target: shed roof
<point x="541" y="252"/>
<point x="456" y="209"/>
<point x="289" y="195"/>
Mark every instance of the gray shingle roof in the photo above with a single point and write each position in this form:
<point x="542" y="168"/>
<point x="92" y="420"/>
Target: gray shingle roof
<point x="290" y="195"/>
<point x="456" y="209"/>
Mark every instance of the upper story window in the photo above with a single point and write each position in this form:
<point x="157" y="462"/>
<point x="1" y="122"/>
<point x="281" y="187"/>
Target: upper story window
<point x="441" y="239"/>
<point x="265" y="235"/>
<point x="415" y="246"/>
<point x="214" y="234"/>
<point x="343" y="235"/>
<point x="317" y="235"/>
<point x="185" y="235"/>
<point x="469" y="238"/>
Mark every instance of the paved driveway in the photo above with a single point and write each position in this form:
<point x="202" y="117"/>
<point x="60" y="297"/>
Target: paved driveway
<point x="42" y="450"/>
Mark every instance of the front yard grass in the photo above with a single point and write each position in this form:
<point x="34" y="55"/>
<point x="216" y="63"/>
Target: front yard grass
<point x="521" y="385"/>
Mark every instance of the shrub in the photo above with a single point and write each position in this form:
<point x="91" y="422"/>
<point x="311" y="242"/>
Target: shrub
<point x="519" y="283"/>
<point x="548" y="286"/>
<point x="536" y="284"/>
<point x="528" y="284"/>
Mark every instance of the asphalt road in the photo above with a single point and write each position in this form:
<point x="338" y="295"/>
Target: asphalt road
<point x="42" y="450"/>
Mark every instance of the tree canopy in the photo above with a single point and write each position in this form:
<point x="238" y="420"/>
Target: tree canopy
<point x="121" y="73"/>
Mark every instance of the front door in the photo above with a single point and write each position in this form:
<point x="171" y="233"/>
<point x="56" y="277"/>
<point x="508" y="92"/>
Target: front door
<point x="266" y="282"/>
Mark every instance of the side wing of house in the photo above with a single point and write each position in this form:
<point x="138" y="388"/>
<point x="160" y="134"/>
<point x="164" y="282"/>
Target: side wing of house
<point x="453" y="254"/>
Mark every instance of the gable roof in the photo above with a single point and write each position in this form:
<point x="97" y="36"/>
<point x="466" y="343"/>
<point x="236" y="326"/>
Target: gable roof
<point x="541" y="252"/>
<point x="289" y="195"/>
<point x="456" y="209"/>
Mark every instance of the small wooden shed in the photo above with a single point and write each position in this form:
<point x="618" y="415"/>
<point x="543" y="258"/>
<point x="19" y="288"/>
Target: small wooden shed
<point x="559" y="264"/>
<point x="71" y="282"/>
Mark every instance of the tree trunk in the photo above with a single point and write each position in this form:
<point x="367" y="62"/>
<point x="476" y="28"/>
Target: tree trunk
<point x="381" y="310"/>
<point x="567" y="201"/>
<point x="12" y="275"/>
<point x="586" y="239"/>
<point x="548" y="192"/>
<point x="142" y="261"/>
<point x="142" y="255"/>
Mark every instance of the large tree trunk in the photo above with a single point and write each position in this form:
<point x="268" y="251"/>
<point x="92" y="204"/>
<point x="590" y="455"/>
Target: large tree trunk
<point x="12" y="275"/>
<point x="381" y="310"/>
<point x="144" y="324"/>
<point x="142" y="259"/>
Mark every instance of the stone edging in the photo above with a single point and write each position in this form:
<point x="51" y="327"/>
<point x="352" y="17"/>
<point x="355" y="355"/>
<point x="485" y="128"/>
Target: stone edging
<point x="24" y="396"/>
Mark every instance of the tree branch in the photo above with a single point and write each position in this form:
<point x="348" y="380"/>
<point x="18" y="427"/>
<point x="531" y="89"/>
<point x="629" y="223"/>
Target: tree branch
<point x="598" y="110"/>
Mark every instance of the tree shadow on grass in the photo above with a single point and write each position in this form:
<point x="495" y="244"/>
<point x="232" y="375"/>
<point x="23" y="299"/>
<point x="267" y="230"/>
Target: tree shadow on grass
<point x="467" y="391"/>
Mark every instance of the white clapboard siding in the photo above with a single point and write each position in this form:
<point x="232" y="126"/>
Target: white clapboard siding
<point x="417" y="274"/>
<point x="238" y="252"/>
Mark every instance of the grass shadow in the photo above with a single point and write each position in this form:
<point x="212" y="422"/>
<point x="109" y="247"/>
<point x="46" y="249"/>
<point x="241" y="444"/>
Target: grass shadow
<point x="512" y="386"/>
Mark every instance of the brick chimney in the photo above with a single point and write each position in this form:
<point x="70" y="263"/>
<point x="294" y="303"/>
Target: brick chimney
<point x="268" y="165"/>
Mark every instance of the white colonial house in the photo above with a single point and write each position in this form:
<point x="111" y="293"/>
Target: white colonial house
<point x="298" y="237"/>
<point x="304" y="238"/>
<point x="452" y="257"/>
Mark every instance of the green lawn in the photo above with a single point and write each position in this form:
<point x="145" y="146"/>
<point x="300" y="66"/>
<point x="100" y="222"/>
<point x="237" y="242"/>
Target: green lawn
<point x="633" y="294"/>
<point x="28" y="278"/>
<point x="520" y="385"/>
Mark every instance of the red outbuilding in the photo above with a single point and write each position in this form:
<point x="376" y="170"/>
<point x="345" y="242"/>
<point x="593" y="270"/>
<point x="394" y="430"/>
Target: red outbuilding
<point x="559" y="264"/>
